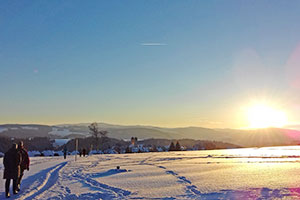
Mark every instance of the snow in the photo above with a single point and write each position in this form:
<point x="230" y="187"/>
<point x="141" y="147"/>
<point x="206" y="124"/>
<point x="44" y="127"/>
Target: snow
<point x="3" y="129"/>
<point x="34" y="153"/>
<point x="60" y="142"/>
<point x="110" y="151"/>
<point x="56" y="131"/>
<point x="30" y="128"/>
<point x="60" y="153"/>
<point x="136" y="149"/>
<point x="95" y="152"/>
<point x="256" y="173"/>
<point x="75" y="153"/>
<point x="48" y="153"/>
<point x="63" y="132"/>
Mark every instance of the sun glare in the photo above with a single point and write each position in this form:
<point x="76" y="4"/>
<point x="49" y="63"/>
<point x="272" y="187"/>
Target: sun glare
<point x="264" y="116"/>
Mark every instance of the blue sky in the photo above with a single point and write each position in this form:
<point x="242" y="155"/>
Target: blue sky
<point x="84" y="61"/>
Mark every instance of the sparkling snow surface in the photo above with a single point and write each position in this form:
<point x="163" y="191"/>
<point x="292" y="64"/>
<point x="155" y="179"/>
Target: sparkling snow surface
<point x="264" y="173"/>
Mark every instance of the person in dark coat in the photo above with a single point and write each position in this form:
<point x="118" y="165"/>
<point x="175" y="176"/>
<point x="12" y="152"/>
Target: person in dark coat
<point x="65" y="152"/>
<point x="24" y="163"/>
<point x="84" y="152"/>
<point x="11" y="162"/>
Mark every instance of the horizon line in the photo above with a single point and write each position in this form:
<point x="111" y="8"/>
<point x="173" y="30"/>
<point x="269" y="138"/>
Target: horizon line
<point x="145" y="125"/>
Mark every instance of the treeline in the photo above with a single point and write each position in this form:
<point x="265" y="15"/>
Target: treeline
<point x="90" y="143"/>
<point x="152" y="145"/>
<point x="190" y="144"/>
<point x="31" y="144"/>
<point x="104" y="144"/>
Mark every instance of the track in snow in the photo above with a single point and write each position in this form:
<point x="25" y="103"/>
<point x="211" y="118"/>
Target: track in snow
<point x="36" y="184"/>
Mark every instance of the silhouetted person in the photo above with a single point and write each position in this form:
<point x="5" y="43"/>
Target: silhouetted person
<point x="24" y="163"/>
<point x="84" y="152"/>
<point x="80" y="152"/>
<point x="65" y="152"/>
<point x="11" y="162"/>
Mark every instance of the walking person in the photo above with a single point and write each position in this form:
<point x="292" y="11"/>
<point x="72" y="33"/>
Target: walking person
<point x="11" y="162"/>
<point x="65" y="152"/>
<point x="84" y="152"/>
<point x="24" y="163"/>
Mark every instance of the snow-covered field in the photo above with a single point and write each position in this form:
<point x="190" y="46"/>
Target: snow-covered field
<point x="265" y="173"/>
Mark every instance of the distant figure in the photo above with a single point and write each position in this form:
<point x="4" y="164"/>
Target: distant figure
<point x="65" y="152"/>
<point x="84" y="152"/>
<point x="24" y="162"/>
<point x="80" y="152"/>
<point x="11" y="162"/>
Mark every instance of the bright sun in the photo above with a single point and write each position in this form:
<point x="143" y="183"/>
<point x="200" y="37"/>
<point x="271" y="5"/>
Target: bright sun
<point x="264" y="116"/>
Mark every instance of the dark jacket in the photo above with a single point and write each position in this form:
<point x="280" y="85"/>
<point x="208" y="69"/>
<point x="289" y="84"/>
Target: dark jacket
<point x="11" y="162"/>
<point x="25" y="159"/>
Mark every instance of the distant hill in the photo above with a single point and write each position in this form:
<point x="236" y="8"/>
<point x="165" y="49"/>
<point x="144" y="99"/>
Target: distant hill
<point x="246" y="138"/>
<point x="24" y="131"/>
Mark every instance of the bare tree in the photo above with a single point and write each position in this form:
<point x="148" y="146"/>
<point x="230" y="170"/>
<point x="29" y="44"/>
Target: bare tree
<point x="172" y="147"/>
<point x="96" y="132"/>
<point x="177" y="146"/>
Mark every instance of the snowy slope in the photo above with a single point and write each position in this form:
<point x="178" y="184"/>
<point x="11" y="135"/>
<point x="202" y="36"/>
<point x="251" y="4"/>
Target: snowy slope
<point x="265" y="173"/>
